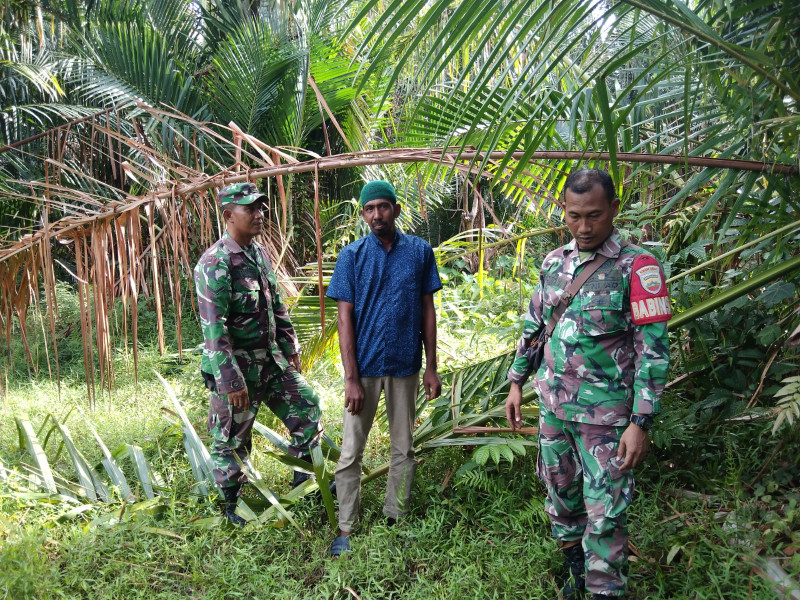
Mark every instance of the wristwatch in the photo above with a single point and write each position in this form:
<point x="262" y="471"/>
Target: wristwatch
<point x="643" y="421"/>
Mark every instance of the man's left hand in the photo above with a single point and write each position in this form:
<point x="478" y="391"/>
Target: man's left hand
<point x="432" y="384"/>
<point x="633" y="446"/>
<point x="294" y="359"/>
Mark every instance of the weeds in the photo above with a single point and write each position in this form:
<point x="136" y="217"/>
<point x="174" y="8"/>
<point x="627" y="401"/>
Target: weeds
<point x="475" y="531"/>
<point x="462" y="540"/>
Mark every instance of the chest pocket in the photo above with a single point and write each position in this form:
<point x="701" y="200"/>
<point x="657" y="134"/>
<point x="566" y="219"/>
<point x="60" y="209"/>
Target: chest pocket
<point x="601" y="312"/>
<point x="554" y="288"/>
<point x="246" y="292"/>
<point x="406" y="281"/>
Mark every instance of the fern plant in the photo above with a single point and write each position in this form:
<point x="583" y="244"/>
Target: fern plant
<point x="508" y="450"/>
<point x="471" y="476"/>
<point x="788" y="403"/>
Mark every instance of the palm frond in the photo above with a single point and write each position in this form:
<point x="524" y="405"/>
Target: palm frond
<point x="639" y="75"/>
<point x="196" y="451"/>
<point x="43" y="474"/>
<point x="123" y="60"/>
<point x="253" y="69"/>
<point x="92" y="485"/>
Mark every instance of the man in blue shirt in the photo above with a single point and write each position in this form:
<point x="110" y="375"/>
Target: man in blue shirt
<point x="384" y="285"/>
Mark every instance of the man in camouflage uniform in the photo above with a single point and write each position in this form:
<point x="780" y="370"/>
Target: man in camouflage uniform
<point x="599" y="384"/>
<point x="251" y="352"/>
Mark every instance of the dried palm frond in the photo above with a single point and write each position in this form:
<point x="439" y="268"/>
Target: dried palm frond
<point x="134" y="234"/>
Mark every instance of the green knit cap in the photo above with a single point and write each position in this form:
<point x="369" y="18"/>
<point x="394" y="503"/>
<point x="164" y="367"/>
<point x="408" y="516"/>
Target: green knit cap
<point x="378" y="190"/>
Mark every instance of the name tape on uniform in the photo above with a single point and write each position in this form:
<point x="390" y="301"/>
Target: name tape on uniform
<point x="649" y="297"/>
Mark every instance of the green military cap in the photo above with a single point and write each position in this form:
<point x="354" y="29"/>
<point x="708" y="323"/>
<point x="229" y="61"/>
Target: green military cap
<point x="239" y="193"/>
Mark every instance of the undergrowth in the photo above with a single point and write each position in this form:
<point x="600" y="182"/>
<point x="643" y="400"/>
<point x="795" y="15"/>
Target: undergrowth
<point x="473" y="533"/>
<point x="713" y="501"/>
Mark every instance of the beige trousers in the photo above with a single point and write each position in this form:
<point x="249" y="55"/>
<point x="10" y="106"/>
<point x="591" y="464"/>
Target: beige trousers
<point x="401" y="396"/>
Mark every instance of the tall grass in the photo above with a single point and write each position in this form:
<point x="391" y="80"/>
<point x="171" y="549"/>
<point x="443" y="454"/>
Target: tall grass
<point x="467" y="537"/>
<point x="473" y="533"/>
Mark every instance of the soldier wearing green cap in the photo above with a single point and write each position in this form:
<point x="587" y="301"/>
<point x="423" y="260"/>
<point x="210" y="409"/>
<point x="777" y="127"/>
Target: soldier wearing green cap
<point x="251" y="353"/>
<point x="599" y="385"/>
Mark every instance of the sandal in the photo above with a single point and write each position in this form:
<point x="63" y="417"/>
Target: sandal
<point x="340" y="545"/>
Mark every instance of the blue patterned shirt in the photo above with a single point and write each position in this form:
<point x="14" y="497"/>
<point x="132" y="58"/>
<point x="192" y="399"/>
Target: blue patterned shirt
<point x="386" y="289"/>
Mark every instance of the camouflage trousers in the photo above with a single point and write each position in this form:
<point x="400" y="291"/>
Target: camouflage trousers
<point x="587" y="496"/>
<point x="288" y="395"/>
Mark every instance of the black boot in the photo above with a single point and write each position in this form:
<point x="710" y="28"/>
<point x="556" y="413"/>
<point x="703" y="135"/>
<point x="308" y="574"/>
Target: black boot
<point x="300" y="476"/>
<point x="574" y="581"/>
<point x="231" y="498"/>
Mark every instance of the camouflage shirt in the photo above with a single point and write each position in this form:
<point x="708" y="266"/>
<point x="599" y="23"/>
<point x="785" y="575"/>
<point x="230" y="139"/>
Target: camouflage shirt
<point x="246" y="327"/>
<point x="608" y="356"/>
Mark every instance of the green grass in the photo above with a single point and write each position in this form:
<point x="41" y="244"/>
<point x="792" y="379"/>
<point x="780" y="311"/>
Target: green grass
<point x="473" y="536"/>
<point x="130" y="413"/>
<point x="461" y="542"/>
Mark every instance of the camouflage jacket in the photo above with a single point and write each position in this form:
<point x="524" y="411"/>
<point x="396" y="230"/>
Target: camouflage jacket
<point x="246" y="327"/>
<point x="609" y="353"/>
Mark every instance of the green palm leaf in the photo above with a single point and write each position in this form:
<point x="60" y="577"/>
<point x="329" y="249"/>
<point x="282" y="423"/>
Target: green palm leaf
<point x="253" y="69"/>
<point x="196" y="451"/>
<point x="43" y="474"/>
<point x="112" y="468"/>
<point x="555" y="75"/>
<point x="132" y="53"/>
<point x="143" y="471"/>
<point x="88" y="479"/>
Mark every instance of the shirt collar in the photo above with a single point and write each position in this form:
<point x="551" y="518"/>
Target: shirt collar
<point x="610" y="248"/>
<point x="231" y="245"/>
<point x="398" y="239"/>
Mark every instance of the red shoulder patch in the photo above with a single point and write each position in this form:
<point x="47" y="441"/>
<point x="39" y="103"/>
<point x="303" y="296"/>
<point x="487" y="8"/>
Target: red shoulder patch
<point x="649" y="296"/>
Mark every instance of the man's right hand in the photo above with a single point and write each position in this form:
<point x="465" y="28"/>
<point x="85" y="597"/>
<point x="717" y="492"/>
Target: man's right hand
<point x="514" y="406"/>
<point x="353" y="397"/>
<point x="240" y="399"/>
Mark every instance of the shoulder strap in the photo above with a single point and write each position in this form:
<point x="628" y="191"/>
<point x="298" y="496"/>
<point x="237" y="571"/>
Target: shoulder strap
<point x="573" y="288"/>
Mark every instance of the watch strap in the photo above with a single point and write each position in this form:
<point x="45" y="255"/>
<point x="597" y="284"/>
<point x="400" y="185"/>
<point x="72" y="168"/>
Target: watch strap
<point x="643" y="421"/>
